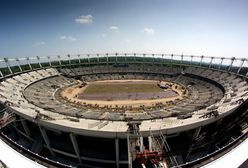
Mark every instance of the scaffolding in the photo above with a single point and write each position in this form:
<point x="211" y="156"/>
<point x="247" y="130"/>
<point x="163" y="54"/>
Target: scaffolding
<point x="151" y="155"/>
<point x="6" y="117"/>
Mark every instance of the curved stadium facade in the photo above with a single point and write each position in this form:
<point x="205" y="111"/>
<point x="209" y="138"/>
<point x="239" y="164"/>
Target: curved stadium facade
<point x="206" y="118"/>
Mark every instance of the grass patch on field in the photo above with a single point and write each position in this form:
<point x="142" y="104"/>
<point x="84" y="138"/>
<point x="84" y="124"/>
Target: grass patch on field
<point x="121" y="88"/>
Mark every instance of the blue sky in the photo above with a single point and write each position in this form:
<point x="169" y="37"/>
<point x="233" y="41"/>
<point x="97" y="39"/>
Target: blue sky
<point x="52" y="27"/>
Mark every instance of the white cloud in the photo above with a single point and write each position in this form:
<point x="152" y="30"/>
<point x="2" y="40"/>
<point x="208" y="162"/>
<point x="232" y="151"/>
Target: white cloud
<point x="40" y="43"/>
<point x="67" y="38"/>
<point x="148" y="31"/>
<point x="114" y="28"/>
<point x="84" y="19"/>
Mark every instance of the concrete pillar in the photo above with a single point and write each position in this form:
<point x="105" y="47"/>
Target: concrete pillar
<point x="129" y="152"/>
<point x="117" y="158"/>
<point x="46" y="139"/>
<point x="25" y="127"/>
<point x="150" y="143"/>
<point x="75" y="146"/>
<point x="141" y="144"/>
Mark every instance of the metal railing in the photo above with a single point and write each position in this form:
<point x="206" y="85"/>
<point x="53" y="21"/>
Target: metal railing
<point x="12" y="66"/>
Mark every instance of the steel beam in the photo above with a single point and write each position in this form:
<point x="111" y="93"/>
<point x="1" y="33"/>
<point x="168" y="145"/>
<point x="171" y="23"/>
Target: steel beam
<point x="46" y="139"/>
<point x="75" y="146"/>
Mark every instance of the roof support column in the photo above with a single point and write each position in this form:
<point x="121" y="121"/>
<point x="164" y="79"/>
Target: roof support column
<point x="75" y="146"/>
<point x="241" y="66"/>
<point x="38" y="59"/>
<point x="211" y="62"/>
<point x="220" y="65"/>
<point x="230" y="66"/>
<point x="125" y="55"/>
<point x="59" y="60"/>
<point x="69" y="58"/>
<point x="88" y="56"/>
<point x="116" y="54"/>
<point x="7" y="64"/>
<point x="49" y="61"/>
<point x="98" y="59"/>
<point x="181" y="63"/>
<point x="1" y="73"/>
<point x="181" y="59"/>
<point x="30" y="67"/>
<point x="107" y="55"/>
<point x="201" y="60"/>
<point x="143" y="64"/>
<point x="18" y="62"/>
<point x="171" y="59"/>
<point x="79" y="60"/>
<point x="162" y="58"/>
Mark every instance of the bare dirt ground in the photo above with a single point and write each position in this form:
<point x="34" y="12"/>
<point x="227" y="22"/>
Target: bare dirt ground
<point x="121" y="93"/>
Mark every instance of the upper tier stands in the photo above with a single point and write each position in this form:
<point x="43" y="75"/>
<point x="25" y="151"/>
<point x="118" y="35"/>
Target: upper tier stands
<point x="202" y="94"/>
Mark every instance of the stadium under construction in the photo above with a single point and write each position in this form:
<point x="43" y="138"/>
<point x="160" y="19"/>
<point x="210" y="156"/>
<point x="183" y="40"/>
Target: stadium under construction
<point x="123" y="110"/>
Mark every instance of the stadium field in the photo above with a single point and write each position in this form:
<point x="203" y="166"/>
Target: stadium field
<point x="121" y="87"/>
